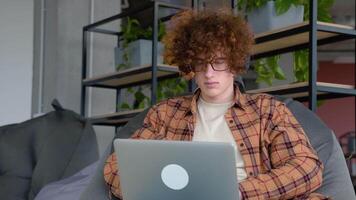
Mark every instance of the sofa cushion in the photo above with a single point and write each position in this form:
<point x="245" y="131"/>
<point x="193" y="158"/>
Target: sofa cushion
<point x="69" y="188"/>
<point x="97" y="188"/>
<point x="336" y="178"/>
<point x="17" y="160"/>
<point x="131" y="127"/>
<point x="44" y="149"/>
<point x="320" y="136"/>
<point x="19" y="154"/>
<point x="14" y="187"/>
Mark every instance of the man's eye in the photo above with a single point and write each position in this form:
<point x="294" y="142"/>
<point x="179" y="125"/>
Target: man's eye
<point x="200" y="62"/>
<point x="219" y="61"/>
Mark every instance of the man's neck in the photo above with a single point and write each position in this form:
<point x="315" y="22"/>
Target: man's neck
<point x="226" y="97"/>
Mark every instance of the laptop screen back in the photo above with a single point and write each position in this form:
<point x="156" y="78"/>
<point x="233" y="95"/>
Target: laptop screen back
<point x="176" y="170"/>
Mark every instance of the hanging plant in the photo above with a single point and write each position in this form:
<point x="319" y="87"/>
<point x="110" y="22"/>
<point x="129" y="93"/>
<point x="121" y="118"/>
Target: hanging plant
<point x="165" y="89"/>
<point x="301" y="57"/>
<point x="268" y="69"/>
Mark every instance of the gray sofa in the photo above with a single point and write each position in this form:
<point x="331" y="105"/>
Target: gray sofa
<point x="337" y="183"/>
<point x="43" y="150"/>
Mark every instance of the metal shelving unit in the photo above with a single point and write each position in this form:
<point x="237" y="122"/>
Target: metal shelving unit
<point x="114" y="119"/>
<point x="299" y="91"/>
<point x="299" y="36"/>
<point x="148" y="74"/>
<point x="306" y="35"/>
<point x="296" y="37"/>
<point x="131" y="77"/>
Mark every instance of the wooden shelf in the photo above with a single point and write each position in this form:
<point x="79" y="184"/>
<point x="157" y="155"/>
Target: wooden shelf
<point x="299" y="91"/>
<point x="132" y="76"/>
<point x="296" y="37"/>
<point x="114" y="119"/>
<point x="267" y="43"/>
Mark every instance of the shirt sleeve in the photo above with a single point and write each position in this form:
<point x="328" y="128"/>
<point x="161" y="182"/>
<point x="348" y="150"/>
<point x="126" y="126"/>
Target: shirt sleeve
<point x="296" y="170"/>
<point x="152" y="128"/>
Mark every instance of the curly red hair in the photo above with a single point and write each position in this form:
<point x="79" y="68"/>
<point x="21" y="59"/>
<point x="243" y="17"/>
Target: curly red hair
<point x="203" y="33"/>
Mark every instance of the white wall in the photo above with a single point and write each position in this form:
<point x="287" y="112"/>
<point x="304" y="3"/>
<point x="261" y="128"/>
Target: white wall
<point x="16" y="60"/>
<point x="62" y="58"/>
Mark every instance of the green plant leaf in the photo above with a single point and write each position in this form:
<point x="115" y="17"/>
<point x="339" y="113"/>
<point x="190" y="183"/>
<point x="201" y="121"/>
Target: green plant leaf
<point x="130" y="90"/>
<point x="279" y="74"/>
<point x="139" y="96"/>
<point x="324" y="7"/>
<point x="130" y="30"/>
<point x="324" y="16"/>
<point x="146" y="34"/>
<point x="141" y="105"/>
<point x="326" y="3"/>
<point x="301" y="65"/>
<point x="171" y="87"/>
<point x="282" y="6"/>
<point x="272" y="61"/>
<point x="121" y="66"/>
<point x="268" y="69"/>
<point x="299" y="75"/>
<point x="248" y="5"/>
<point x="265" y="80"/>
<point x="240" y="4"/>
<point x="125" y="106"/>
<point x="161" y="30"/>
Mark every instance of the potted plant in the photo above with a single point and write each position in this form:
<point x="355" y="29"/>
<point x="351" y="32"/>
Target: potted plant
<point x="272" y="15"/>
<point x="264" y="15"/>
<point x="136" y="45"/>
<point x="136" y="50"/>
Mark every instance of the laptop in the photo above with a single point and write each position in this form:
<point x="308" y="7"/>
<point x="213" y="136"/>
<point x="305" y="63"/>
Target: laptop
<point x="176" y="170"/>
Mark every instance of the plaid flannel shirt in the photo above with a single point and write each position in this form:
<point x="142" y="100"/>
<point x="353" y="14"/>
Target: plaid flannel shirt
<point x="279" y="160"/>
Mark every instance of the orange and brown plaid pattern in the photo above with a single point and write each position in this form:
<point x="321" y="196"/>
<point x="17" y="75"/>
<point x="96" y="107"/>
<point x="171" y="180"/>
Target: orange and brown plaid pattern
<point x="279" y="160"/>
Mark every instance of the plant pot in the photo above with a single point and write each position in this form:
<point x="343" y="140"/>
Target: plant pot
<point x="139" y="53"/>
<point x="266" y="18"/>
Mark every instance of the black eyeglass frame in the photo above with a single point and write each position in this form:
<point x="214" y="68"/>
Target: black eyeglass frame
<point x="211" y="62"/>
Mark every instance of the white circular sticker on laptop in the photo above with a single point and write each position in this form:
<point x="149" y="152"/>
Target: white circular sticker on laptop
<point x="175" y="177"/>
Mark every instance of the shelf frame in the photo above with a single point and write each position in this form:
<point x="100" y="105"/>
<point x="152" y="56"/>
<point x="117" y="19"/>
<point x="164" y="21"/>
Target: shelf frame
<point x="326" y="33"/>
<point x="163" y="72"/>
<point x="312" y="34"/>
<point x="114" y="119"/>
<point x="299" y="91"/>
<point x="94" y="28"/>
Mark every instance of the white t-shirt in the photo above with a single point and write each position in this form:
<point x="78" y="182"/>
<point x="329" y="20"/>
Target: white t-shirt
<point x="211" y="126"/>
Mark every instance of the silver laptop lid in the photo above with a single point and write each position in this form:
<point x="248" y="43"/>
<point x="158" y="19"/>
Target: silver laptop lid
<point x="176" y="170"/>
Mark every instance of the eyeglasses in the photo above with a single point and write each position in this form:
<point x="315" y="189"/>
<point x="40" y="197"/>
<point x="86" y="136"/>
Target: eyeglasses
<point x="218" y="64"/>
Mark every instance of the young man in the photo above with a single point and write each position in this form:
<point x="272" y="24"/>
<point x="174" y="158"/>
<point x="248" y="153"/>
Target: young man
<point x="274" y="158"/>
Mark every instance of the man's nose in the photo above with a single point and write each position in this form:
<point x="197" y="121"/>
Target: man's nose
<point x="209" y="70"/>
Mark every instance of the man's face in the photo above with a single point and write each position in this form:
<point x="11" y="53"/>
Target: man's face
<point x="217" y="85"/>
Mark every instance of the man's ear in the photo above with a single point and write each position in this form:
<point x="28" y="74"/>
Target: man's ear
<point x="189" y="76"/>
